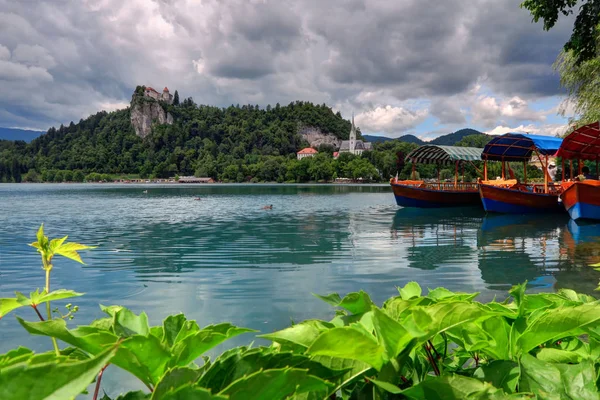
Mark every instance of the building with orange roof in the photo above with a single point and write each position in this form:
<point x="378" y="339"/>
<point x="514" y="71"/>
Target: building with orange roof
<point x="306" y="152"/>
<point x="164" y="96"/>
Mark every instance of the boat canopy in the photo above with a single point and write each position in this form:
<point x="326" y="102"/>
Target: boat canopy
<point x="583" y="143"/>
<point x="519" y="147"/>
<point x="445" y="155"/>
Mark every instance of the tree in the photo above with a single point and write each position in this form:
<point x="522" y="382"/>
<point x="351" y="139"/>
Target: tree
<point x="474" y="141"/>
<point x="78" y="176"/>
<point x="176" y="98"/>
<point x="68" y="176"/>
<point x="583" y="41"/>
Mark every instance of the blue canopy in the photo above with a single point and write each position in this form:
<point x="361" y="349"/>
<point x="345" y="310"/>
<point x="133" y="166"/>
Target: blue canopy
<point x="519" y="147"/>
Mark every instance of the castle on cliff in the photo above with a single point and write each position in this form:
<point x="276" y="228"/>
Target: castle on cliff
<point x="164" y="96"/>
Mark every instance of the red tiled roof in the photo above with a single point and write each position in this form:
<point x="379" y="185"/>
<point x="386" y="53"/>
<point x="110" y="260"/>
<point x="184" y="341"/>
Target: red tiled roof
<point x="336" y="153"/>
<point x="166" y="89"/>
<point x="150" y="89"/>
<point x="308" y="150"/>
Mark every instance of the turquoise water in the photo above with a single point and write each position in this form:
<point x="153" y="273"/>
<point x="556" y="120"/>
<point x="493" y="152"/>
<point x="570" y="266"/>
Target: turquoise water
<point x="224" y="258"/>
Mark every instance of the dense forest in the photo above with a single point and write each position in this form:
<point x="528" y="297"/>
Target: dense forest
<point x="234" y="144"/>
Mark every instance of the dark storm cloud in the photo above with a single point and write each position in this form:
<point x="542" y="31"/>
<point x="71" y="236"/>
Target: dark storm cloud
<point x="61" y="60"/>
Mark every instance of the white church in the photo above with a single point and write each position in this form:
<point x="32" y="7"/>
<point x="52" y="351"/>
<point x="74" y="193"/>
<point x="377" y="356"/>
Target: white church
<point x="354" y="146"/>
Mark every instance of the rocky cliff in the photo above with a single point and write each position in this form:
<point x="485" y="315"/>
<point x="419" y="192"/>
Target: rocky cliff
<point x="316" y="137"/>
<point x="145" y="112"/>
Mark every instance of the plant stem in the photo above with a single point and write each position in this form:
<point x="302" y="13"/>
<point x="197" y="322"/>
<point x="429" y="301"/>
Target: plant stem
<point x="37" y="312"/>
<point x="436" y="371"/>
<point x="98" y="382"/>
<point x="48" y="268"/>
<point x="437" y="355"/>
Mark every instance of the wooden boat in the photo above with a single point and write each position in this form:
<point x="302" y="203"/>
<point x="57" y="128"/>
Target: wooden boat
<point x="581" y="199"/>
<point x="418" y="193"/>
<point x="509" y="196"/>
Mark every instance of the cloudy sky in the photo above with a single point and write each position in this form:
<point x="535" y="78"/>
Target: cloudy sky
<point x="426" y="67"/>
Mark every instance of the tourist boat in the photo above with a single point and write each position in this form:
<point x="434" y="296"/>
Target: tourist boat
<point x="509" y="196"/>
<point x="581" y="199"/>
<point x="418" y="193"/>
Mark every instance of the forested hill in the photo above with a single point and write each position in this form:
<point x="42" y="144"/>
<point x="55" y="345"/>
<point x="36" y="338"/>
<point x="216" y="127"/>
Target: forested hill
<point x="231" y="143"/>
<point x="452" y="138"/>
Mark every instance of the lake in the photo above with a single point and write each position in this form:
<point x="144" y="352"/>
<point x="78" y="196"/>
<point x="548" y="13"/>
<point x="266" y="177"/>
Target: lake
<point x="224" y="258"/>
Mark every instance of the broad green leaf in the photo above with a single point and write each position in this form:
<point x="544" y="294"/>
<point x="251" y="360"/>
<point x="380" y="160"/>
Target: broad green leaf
<point x="15" y="356"/>
<point x="190" y="392"/>
<point x="126" y="323"/>
<point x="558" y="356"/>
<point x="69" y="250"/>
<point x="142" y="356"/>
<point x="193" y="346"/>
<point x="274" y="384"/>
<point x="172" y="325"/>
<point x="56" y="243"/>
<point x="40" y="234"/>
<point x="518" y="293"/>
<point x="240" y="362"/>
<point x="175" y="379"/>
<point x="439" y="294"/>
<point x="7" y="305"/>
<point x="410" y="290"/>
<point x="37" y="297"/>
<point x="440" y="317"/>
<point x="334" y="299"/>
<point x="448" y="387"/>
<point x="388" y="387"/>
<point x="557" y="323"/>
<point x="558" y="381"/>
<point x="356" y="303"/>
<point x="52" y="380"/>
<point x="349" y="343"/>
<point x="137" y="395"/>
<point x="502" y="374"/>
<point x="303" y="334"/>
<point x="390" y="334"/>
<point x="499" y="331"/>
<point x="355" y="370"/>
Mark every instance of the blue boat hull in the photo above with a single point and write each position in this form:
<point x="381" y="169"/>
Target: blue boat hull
<point x="512" y="201"/>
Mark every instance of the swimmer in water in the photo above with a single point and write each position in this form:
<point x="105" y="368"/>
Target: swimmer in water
<point x="269" y="207"/>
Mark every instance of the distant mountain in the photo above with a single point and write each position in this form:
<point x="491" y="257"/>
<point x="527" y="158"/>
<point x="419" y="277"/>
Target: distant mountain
<point x="19" y="134"/>
<point x="452" y="138"/>
<point x="411" y="139"/>
<point x="376" y="139"/>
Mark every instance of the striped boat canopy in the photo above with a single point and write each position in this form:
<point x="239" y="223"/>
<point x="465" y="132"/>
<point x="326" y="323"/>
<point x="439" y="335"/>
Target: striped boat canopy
<point x="444" y="155"/>
<point x="583" y="143"/>
<point x="519" y="147"/>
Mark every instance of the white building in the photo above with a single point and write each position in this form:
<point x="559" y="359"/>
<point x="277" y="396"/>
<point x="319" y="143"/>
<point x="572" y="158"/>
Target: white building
<point x="307" y="152"/>
<point x="354" y="146"/>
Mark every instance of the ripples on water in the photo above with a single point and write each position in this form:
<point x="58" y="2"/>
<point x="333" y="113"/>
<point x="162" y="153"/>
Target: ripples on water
<point x="223" y="258"/>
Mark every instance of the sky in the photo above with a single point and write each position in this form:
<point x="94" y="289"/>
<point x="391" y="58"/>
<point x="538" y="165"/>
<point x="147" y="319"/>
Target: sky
<point x="422" y="67"/>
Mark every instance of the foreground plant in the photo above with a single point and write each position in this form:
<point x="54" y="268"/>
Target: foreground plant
<point x="439" y="345"/>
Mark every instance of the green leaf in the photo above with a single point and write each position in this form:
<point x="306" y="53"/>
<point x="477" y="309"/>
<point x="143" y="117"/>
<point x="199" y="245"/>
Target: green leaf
<point x="37" y="297"/>
<point x="303" y="334"/>
<point x="498" y="331"/>
<point x="40" y="234"/>
<point x="558" y="381"/>
<point x="69" y="250"/>
<point x="137" y="395"/>
<point x="126" y="323"/>
<point x="388" y="387"/>
<point x="556" y="324"/>
<point x="410" y="290"/>
<point x="7" y="305"/>
<point x="448" y="387"/>
<point x="334" y="299"/>
<point x="558" y="356"/>
<point x="502" y="374"/>
<point x="355" y="370"/>
<point x="51" y="380"/>
<point x="190" y="392"/>
<point x="349" y="343"/>
<point x="193" y="346"/>
<point x="15" y="356"/>
<point x="440" y="317"/>
<point x="174" y="379"/>
<point x="274" y="384"/>
<point x="390" y="334"/>
<point x="172" y="325"/>
<point x="356" y="303"/>
<point x="443" y="294"/>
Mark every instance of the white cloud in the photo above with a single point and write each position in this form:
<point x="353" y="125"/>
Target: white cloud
<point x="4" y="53"/>
<point x="489" y="110"/>
<point x="389" y="119"/>
<point x="546" y="130"/>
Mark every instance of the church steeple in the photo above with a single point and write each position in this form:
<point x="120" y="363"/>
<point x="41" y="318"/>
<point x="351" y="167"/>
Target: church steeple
<point x="352" y="136"/>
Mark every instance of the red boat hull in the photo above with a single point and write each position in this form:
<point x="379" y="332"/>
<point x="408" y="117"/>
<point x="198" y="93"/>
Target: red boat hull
<point x="582" y="199"/>
<point x="515" y="200"/>
<point x="421" y="195"/>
